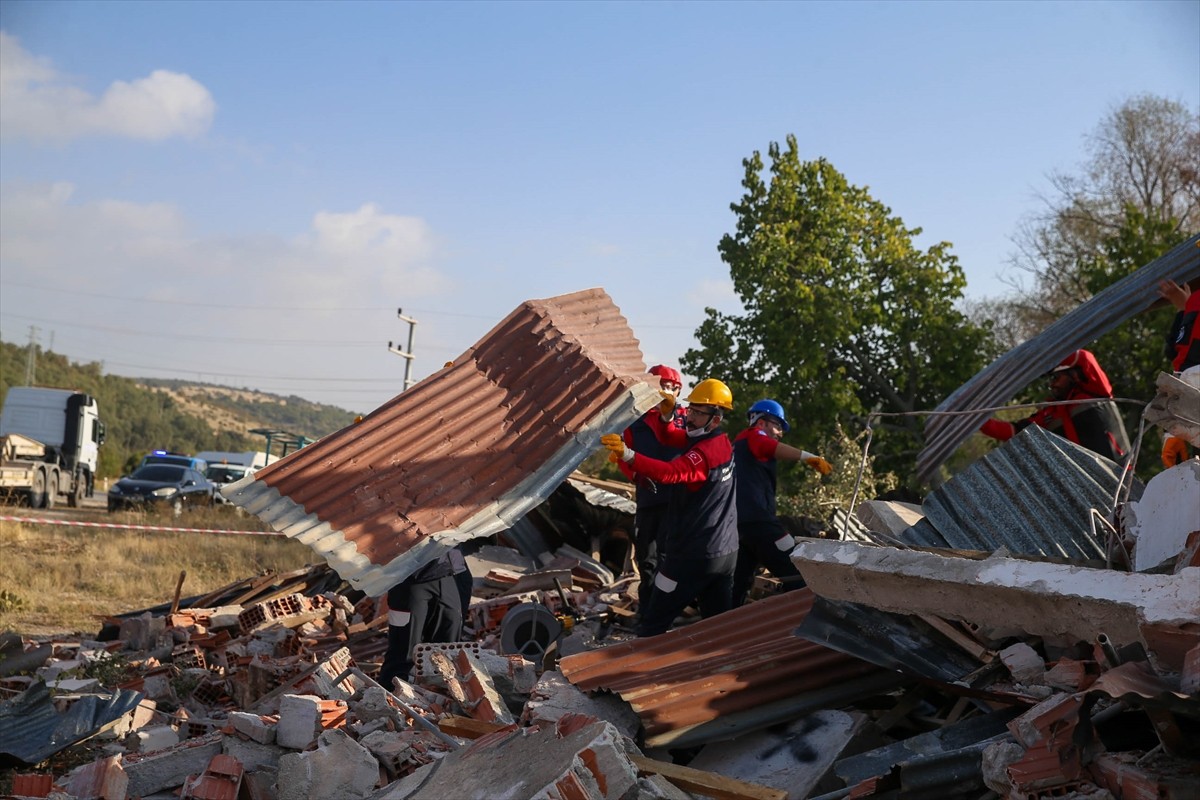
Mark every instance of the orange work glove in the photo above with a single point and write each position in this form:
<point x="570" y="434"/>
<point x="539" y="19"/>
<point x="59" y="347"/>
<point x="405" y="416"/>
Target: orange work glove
<point x="616" y="445"/>
<point x="819" y="464"/>
<point x="1174" y="451"/>
<point x="667" y="406"/>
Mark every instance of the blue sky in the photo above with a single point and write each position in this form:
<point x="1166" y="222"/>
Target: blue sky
<point x="245" y="193"/>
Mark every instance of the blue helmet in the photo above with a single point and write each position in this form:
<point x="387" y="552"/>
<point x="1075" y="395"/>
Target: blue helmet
<point x="771" y="407"/>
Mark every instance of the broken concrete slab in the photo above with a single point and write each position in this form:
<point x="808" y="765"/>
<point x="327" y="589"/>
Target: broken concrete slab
<point x="792" y="758"/>
<point x="1168" y="511"/>
<point x="253" y="755"/>
<point x="166" y="769"/>
<point x="554" y="697"/>
<point x="299" y="720"/>
<point x="1008" y="596"/>
<point x="338" y="769"/>
<point x="589" y="762"/>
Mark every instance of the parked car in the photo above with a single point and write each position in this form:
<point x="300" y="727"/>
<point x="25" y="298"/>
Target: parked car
<point x="173" y="485"/>
<point x="223" y="474"/>
<point x="166" y="457"/>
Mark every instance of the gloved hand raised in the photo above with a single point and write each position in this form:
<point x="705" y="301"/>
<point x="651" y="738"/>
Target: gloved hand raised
<point x="616" y="445"/>
<point x="819" y="464"/>
<point x="667" y="406"/>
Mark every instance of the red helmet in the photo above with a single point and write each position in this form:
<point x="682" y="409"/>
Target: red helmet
<point x="665" y="373"/>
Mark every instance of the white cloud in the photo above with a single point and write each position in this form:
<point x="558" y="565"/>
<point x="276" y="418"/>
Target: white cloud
<point x="319" y="304"/>
<point x="345" y="259"/>
<point x="356" y="259"/>
<point x="38" y="103"/>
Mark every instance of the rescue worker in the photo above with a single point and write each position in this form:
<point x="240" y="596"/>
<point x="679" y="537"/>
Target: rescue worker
<point x="762" y="539"/>
<point x="651" y="497"/>
<point x="1182" y="350"/>
<point x="1096" y="426"/>
<point x="700" y="530"/>
<point x="1183" y="339"/>
<point x="424" y="607"/>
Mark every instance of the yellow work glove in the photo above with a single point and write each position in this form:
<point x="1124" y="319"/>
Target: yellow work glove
<point x="819" y="464"/>
<point x="1174" y="451"/>
<point x="616" y="445"/>
<point x="667" y="406"/>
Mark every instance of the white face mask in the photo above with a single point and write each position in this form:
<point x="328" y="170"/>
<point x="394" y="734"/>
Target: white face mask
<point x="696" y="433"/>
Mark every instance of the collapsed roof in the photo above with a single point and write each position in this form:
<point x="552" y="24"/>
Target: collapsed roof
<point x="467" y="451"/>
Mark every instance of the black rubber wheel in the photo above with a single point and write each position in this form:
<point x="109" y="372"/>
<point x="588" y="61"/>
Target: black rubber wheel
<point x="37" y="492"/>
<point x="76" y="490"/>
<point x="51" y="491"/>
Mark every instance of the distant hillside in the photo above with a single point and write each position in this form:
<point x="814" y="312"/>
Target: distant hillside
<point x="142" y="415"/>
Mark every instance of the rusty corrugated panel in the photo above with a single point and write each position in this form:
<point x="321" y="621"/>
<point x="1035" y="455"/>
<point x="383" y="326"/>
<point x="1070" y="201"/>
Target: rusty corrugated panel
<point x="1134" y="683"/>
<point x="997" y="383"/>
<point x="466" y="452"/>
<point x="726" y="671"/>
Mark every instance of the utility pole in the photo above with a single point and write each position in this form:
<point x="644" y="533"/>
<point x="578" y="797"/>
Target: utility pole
<point x="31" y="357"/>
<point x="407" y="355"/>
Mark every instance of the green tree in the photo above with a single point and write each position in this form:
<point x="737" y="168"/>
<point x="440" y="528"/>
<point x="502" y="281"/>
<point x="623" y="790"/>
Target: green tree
<point x="1133" y="354"/>
<point x="1143" y="158"/>
<point x="843" y="314"/>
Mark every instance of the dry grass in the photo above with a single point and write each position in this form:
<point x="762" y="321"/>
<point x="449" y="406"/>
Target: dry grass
<point x="59" y="580"/>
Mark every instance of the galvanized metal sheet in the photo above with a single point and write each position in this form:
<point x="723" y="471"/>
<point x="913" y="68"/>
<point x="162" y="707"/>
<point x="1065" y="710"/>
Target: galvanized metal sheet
<point x="997" y="383"/>
<point x="1034" y="495"/>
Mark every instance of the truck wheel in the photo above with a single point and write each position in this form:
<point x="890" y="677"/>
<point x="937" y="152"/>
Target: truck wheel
<point x="78" y="487"/>
<point x="51" y="491"/>
<point x="37" y="492"/>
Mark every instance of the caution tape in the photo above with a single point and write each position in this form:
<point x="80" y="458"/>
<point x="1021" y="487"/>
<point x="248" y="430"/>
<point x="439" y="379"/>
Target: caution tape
<point x="126" y="527"/>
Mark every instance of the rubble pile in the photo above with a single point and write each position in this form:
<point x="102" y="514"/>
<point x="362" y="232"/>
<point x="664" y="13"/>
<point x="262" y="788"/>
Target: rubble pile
<point x="990" y="643"/>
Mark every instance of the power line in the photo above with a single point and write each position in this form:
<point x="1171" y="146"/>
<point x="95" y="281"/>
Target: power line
<point x="161" y="334"/>
<point x="237" y="307"/>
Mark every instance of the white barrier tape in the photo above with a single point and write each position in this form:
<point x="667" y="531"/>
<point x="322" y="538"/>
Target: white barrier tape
<point x="77" y="524"/>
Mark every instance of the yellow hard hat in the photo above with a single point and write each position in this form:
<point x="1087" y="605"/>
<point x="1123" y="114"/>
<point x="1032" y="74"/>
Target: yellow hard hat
<point x="711" y="392"/>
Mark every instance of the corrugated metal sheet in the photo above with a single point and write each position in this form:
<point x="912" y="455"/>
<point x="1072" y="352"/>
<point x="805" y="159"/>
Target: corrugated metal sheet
<point x="738" y="671"/>
<point x="603" y="498"/>
<point x="943" y="756"/>
<point x="997" y="383"/>
<point x="893" y="641"/>
<point x="466" y="452"/>
<point x="1033" y="495"/>
<point x="1134" y="683"/>
<point x="32" y="730"/>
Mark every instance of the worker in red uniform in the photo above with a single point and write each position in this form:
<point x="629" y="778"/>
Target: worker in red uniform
<point x="700" y="536"/>
<point x="762" y="539"/>
<point x="1183" y="351"/>
<point x="651" y="496"/>
<point x="1096" y="426"/>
